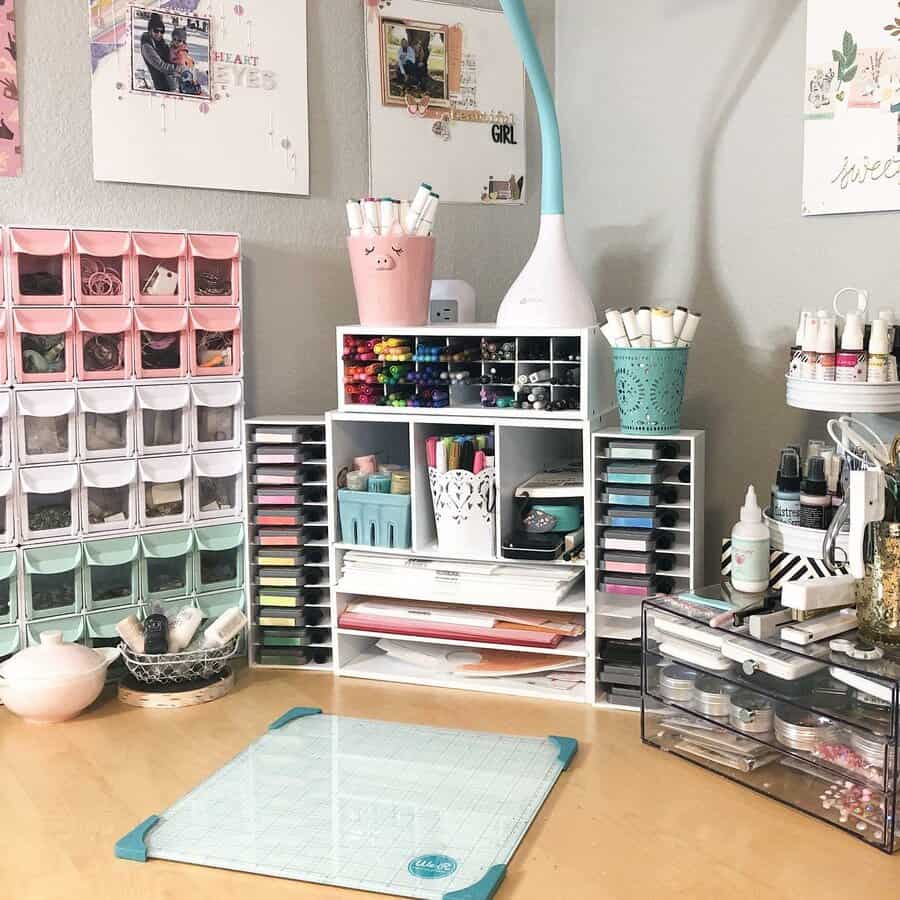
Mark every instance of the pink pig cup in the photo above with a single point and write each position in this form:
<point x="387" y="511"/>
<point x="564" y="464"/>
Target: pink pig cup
<point x="392" y="276"/>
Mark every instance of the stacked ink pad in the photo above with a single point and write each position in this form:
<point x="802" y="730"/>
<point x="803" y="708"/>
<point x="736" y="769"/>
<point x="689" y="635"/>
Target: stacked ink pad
<point x="291" y="622"/>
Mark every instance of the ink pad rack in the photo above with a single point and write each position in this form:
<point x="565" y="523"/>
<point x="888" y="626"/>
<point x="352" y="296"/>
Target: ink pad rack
<point x="477" y="369"/>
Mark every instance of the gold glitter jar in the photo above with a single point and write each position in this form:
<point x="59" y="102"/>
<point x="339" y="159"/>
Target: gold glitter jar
<point x="878" y="608"/>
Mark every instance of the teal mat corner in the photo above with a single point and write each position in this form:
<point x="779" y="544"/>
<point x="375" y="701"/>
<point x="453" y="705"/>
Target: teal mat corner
<point x="481" y="890"/>
<point x="132" y="847"/>
<point x="298" y="712"/>
<point x="567" y="746"/>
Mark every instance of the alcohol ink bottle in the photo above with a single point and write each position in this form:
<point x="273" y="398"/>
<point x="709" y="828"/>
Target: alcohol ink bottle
<point x="796" y="362"/>
<point x="815" y="504"/>
<point x="851" y="364"/>
<point x="879" y="353"/>
<point x="825" y="356"/>
<point x="786" y="492"/>
<point x="810" y="355"/>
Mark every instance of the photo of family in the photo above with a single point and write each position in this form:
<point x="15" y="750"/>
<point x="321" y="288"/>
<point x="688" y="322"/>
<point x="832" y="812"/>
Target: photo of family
<point x="170" y="53"/>
<point x="414" y="61"/>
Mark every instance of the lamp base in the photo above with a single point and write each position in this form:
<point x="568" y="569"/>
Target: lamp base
<point x="548" y="292"/>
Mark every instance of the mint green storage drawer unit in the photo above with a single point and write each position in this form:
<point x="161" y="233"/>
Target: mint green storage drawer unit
<point x="100" y="627"/>
<point x="9" y="588"/>
<point x="219" y="560"/>
<point x="167" y="564"/>
<point x="72" y="628"/>
<point x="213" y="604"/>
<point x="10" y="640"/>
<point x="111" y="573"/>
<point x="52" y="579"/>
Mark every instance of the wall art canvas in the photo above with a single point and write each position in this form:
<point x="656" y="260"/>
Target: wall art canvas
<point x="446" y="102"/>
<point x="851" y="96"/>
<point x="201" y="93"/>
<point x="10" y="126"/>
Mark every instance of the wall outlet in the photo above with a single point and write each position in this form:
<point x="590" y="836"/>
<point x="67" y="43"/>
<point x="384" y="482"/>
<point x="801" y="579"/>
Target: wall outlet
<point x="443" y="311"/>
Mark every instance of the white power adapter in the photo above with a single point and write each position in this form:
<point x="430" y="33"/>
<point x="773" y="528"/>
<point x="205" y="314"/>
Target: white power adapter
<point x="452" y="301"/>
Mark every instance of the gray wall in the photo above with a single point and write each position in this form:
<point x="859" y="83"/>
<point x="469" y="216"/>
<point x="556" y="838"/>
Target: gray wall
<point x="297" y="278"/>
<point x="683" y="133"/>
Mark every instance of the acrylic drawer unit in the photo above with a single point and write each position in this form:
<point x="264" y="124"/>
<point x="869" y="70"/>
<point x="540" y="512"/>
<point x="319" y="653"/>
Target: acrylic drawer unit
<point x="802" y="724"/>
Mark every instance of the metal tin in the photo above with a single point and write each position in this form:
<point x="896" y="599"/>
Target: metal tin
<point x="870" y="747"/>
<point x="801" y="729"/>
<point x="712" y="696"/>
<point x="677" y="683"/>
<point x="750" y="713"/>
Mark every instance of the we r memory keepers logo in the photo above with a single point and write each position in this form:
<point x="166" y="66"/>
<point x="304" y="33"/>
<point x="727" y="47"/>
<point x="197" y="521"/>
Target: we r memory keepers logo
<point x="432" y="865"/>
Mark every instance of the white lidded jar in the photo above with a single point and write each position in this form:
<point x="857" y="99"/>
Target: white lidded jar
<point x="750" y="548"/>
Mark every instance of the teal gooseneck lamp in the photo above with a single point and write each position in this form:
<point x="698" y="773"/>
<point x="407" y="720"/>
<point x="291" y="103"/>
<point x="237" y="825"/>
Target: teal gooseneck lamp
<point x="548" y="291"/>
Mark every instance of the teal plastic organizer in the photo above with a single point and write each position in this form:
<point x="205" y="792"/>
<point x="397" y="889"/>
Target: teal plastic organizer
<point x="650" y="388"/>
<point x="376" y="520"/>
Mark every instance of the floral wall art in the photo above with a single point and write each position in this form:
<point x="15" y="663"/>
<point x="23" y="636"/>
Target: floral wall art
<point x="851" y="160"/>
<point x="10" y="127"/>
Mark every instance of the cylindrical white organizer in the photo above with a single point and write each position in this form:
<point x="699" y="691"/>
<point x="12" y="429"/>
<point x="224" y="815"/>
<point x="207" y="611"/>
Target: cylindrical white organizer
<point x="827" y="396"/>
<point x="464" y="506"/>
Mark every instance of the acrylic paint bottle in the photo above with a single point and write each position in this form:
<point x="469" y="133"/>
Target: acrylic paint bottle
<point x="825" y="356"/>
<point x="810" y="342"/>
<point x="786" y="492"/>
<point x="851" y="365"/>
<point x="815" y="504"/>
<point x="879" y="353"/>
<point x="750" y="548"/>
<point x="796" y="363"/>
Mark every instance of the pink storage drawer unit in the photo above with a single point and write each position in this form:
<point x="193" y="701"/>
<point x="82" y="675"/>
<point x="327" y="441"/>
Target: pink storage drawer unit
<point x="215" y="345"/>
<point x="102" y="267"/>
<point x="214" y="269"/>
<point x="159" y="269"/>
<point x="103" y="343"/>
<point x="160" y="342"/>
<point x="40" y="266"/>
<point x="44" y="345"/>
<point x="4" y="347"/>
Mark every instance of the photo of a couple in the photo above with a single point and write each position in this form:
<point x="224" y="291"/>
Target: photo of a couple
<point x="170" y="53"/>
<point x="414" y="61"/>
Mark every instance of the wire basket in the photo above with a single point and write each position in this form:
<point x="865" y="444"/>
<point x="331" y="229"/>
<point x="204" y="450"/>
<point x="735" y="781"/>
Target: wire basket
<point x="175" y="668"/>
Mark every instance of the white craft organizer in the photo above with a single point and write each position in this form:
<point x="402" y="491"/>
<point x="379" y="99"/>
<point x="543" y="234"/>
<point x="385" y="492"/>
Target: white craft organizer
<point x="618" y="616"/>
<point x="305" y="530"/>
<point x="198" y="406"/>
<point x="535" y="350"/>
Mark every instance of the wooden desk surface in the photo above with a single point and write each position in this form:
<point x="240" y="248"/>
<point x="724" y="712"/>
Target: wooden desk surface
<point x="625" y="822"/>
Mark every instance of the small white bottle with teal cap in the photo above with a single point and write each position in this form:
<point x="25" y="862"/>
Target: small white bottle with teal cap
<point x="750" y="548"/>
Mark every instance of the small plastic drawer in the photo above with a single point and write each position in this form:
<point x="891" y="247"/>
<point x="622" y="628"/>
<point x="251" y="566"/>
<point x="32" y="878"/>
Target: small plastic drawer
<point x="218" y="484"/>
<point x="106" y="422"/>
<point x="271" y="455"/>
<point x="280" y="597"/>
<point x="167" y="564"/>
<point x="279" y="557"/>
<point x="44" y="345"/>
<point x="215" y="341"/>
<point x="111" y="571"/>
<point x="275" y="517"/>
<point x="160" y="342"/>
<point x="46" y="424"/>
<point x="52" y="580"/>
<point x="169" y="608"/>
<point x="40" y="266"/>
<point x="277" y="434"/>
<point x="108" y="495"/>
<point x="163" y="423"/>
<point x="100" y="627"/>
<point x="219" y="560"/>
<point x="280" y="537"/>
<point x="214" y="269"/>
<point x="102" y="267"/>
<point x="8" y="508"/>
<point x="10" y="640"/>
<point x="280" y="578"/>
<point x="214" y="603"/>
<point x="4" y="347"/>
<point x="159" y="270"/>
<point x="277" y="496"/>
<point x="278" y="475"/>
<point x="72" y="629"/>
<point x="634" y="473"/>
<point x="375" y="520"/>
<point x="9" y="589"/>
<point x="165" y="490"/>
<point x="217" y="415"/>
<point x="49" y="502"/>
<point x="103" y="344"/>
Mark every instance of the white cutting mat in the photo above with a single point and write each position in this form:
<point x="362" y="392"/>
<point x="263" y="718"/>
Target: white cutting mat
<point x="377" y="806"/>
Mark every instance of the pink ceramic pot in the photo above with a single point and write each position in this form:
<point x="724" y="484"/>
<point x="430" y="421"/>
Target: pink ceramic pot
<point x="392" y="276"/>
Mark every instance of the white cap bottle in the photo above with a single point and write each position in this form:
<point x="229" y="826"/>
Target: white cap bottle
<point x="810" y="341"/>
<point x="825" y="350"/>
<point x="750" y="548"/>
<point x="852" y="362"/>
<point x="879" y="350"/>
